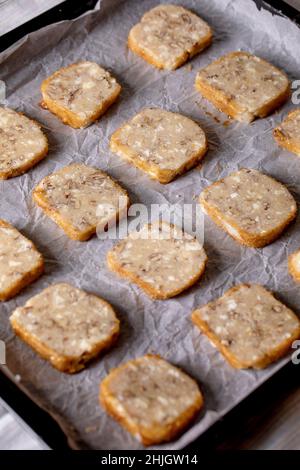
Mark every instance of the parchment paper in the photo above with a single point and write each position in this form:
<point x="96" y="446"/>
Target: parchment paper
<point x="162" y="327"/>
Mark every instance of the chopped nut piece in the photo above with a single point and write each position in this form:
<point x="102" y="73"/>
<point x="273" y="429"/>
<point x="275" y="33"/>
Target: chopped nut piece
<point x="80" y="93"/>
<point x="20" y="262"/>
<point x="249" y="326"/>
<point x="151" y="398"/>
<point x="243" y="86"/>
<point x="66" y="326"/>
<point x="161" y="143"/>
<point x="251" y="207"/>
<point x="160" y="258"/>
<point x="81" y="199"/>
<point x="22" y="143"/>
<point x="287" y="134"/>
<point x="168" y="35"/>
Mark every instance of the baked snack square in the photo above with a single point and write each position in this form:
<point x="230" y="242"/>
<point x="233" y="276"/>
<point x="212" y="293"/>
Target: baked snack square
<point x="22" y="143"/>
<point x="243" y="86"/>
<point x="251" y="207"/>
<point x="20" y="261"/>
<point x="294" y="265"/>
<point x="168" y="35"/>
<point x="287" y="134"/>
<point x="161" y="143"/>
<point x="160" y="258"/>
<point x="79" y="93"/>
<point x="82" y="200"/>
<point x="151" y="398"/>
<point x="249" y="326"/>
<point x="66" y="326"/>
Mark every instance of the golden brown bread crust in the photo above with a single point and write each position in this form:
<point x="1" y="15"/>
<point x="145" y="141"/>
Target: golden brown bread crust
<point x="225" y="104"/>
<point x="11" y="173"/>
<point x="285" y="142"/>
<point x="27" y="278"/>
<point x="269" y="358"/>
<point x="67" y="116"/>
<point x="157" y="434"/>
<point x="40" y="198"/>
<point x="153" y="292"/>
<point x="293" y="270"/>
<point x="246" y="238"/>
<point x="62" y="363"/>
<point x="197" y="48"/>
<point x="161" y="175"/>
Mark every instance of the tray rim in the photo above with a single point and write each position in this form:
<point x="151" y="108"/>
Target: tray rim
<point x="29" y="414"/>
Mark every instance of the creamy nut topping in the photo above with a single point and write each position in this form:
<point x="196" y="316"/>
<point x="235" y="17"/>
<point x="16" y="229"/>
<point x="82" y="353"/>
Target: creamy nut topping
<point x="21" y="140"/>
<point x="290" y="127"/>
<point x="151" y="391"/>
<point x="169" y="31"/>
<point x="246" y="80"/>
<point x="18" y="256"/>
<point x="161" y="138"/>
<point x="161" y="255"/>
<point x="249" y="321"/>
<point x="81" y="88"/>
<point x="67" y="320"/>
<point x="253" y="201"/>
<point x="83" y="196"/>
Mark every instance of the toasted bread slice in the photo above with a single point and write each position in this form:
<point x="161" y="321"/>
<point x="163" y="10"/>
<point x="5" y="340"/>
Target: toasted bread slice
<point x="168" y="35"/>
<point x="82" y="200"/>
<point x="151" y="398"/>
<point x="79" y="93"/>
<point x="251" y="207"/>
<point x="160" y="258"/>
<point x="161" y="143"/>
<point x="287" y="134"/>
<point x="22" y="143"/>
<point x="243" y="86"/>
<point x="249" y="326"/>
<point x="20" y="261"/>
<point x="294" y="265"/>
<point x="66" y="326"/>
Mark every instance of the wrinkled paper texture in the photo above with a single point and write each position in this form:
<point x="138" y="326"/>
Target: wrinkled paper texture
<point x="162" y="327"/>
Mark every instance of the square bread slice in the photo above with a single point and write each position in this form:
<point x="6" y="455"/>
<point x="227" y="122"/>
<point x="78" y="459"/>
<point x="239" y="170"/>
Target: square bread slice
<point x="168" y="35"/>
<point x="81" y="199"/>
<point x="249" y="326"/>
<point x="20" y="261"/>
<point x="151" y="398"/>
<point x="160" y="258"/>
<point x="80" y="93"/>
<point x="243" y="86"/>
<point x="66" y="326"/>
<point x="251" y="207"/>
<point x="161" y="143"/>
<point x="287" y="135"/>
<point x="294" y="265"/>
<point x="22" y="143"/>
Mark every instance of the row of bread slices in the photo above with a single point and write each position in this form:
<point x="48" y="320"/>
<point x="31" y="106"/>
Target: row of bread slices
<point x="249" y="326"/>
<point x="153" y="399"/>
<point x="240" y="84"/>
<point x="160" y="258"/>
<point x="161" y="143"/>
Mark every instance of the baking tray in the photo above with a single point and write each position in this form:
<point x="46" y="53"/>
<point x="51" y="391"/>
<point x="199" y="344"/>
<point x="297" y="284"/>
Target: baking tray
<point x="44" y="424"/>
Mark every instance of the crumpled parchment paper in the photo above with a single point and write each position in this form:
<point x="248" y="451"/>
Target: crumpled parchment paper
<point x="162" y="327"/>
